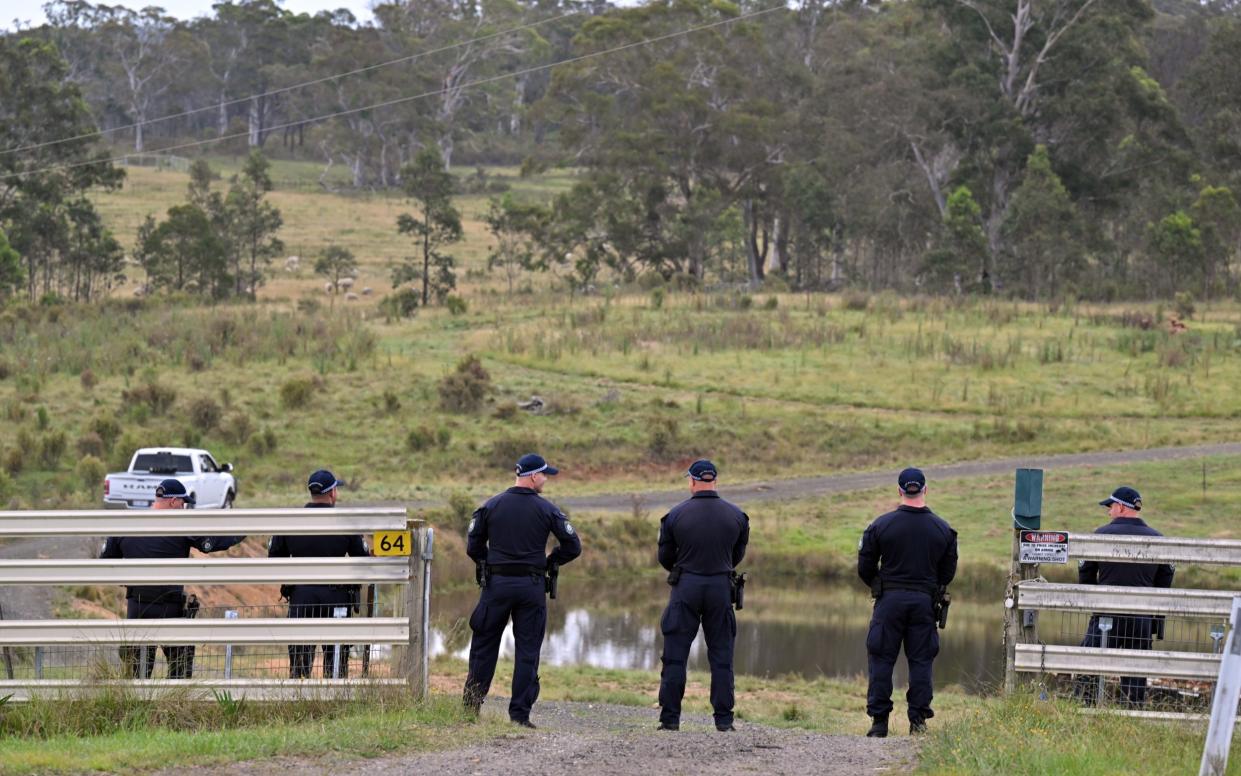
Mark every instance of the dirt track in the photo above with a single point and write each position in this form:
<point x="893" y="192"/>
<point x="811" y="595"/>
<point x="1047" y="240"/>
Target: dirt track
<point x="589" y="739"/>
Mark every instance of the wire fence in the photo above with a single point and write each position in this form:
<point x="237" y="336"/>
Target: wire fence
<point x="1137" y="633"/>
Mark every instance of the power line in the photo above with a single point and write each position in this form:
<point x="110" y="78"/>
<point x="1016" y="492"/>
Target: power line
<point x="293" y="87"/>
<point x="424" y="95"/>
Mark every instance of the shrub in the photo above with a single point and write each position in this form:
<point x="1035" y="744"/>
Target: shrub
<point x="51" y="448"/>
<point x="505" y="451"/>
<point x="42" y="419"/>
<point x="772" y="303"/>
<point x="658" y="294"/>
<point x="460" y="511"/>
<point x="15" y="459"/>
<point x="401" y="304"/>
<point x="237" y="428"/>
<point x="263" y="442"/>
<point x="857" y="301"/>
<point x="151" y="395"/>
<point x="192" y="436"/>
<point x="465" y="389"/>
<point x="505" y="410"/>
<point x="88" y="379"/>
<point x="425" y="437"/>
<point x="297" y="392"/>
<point x="91" y="444"/>
<point x="205" y="413"/>
<point x="124" y="450"/>
<point x="5" y="370"/>
<point x="390" y="402"/>
<point x="90" y="472"/>
<point x="6" y="488"/>
<point x="455" y="304"/>
<point x="107" y="428"/>
<point x="663" y="438"/>
<point x="1185" y="304"/>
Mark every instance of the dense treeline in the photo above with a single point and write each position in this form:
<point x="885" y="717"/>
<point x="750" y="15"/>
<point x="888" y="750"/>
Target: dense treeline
<point x="1036" y="148"/>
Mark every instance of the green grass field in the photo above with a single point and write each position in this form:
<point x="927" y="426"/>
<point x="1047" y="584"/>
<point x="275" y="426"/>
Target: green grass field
<point x="969" y="734"/>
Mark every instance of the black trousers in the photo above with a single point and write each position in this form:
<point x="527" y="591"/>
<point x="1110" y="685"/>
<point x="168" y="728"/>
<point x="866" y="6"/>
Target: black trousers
<point x="901" y="617"/>
<point x="705" y="601"/>
<point x="521" y="600"/>
<point x="139" y="662"/>
<point x="318" y="601"/>
<point x="1128" y="632"/>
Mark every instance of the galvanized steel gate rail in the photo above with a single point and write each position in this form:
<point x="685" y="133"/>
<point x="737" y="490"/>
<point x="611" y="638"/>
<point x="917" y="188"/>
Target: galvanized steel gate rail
<point x="410" y="631"/>
<point x="1025" y="654"/>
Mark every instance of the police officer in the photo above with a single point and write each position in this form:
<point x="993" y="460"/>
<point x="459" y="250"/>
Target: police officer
<point x="159" y="602"/>
<point x="701" y="541"/>
<point x="318" y="600"/>
<point x="1128" y="631"/>
<point x="905" y="556"/>
<point x="508" y="538"/>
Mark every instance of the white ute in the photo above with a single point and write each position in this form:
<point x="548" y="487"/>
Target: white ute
<point x="211" y="483"/>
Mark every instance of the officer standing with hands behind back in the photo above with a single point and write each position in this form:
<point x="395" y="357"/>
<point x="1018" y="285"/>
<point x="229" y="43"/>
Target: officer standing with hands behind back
<point x="507" y="538"/>
<point x="906" y="557"/>
<point x="318" y="600"/>
<point x="701" y="541"/>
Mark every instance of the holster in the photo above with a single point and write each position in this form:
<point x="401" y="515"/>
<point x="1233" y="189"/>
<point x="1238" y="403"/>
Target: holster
<point x="286" y="592"/>
<point x="941" y="603"/>
<point x="191" y="606"/>
<point x="480" y="573"/>
<point x="876" y="588"/>
<point x="736" y="584"/>
<point x="552" y="581"/>
<point x="674" y="576"/>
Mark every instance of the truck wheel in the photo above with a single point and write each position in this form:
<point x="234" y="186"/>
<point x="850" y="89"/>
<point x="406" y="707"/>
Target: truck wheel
<point x="228" y="501"/>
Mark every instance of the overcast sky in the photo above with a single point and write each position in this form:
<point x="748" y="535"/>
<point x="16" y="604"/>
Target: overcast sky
<point x="30" y="12"/>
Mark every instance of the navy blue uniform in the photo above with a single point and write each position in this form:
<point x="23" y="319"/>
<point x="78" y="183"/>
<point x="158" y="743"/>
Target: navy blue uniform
<point x="1128" y="631"/>
<point x="910" y="551"/>
<point x="509" y="534"/>
<point x="318" y="600"/>
<point x="159" y="602"/>
<point x="705" y="537"/>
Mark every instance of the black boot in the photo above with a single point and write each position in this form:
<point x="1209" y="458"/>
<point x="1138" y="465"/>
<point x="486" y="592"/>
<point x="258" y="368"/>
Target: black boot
<point x="879" y="729"/>
<point x="917" y="727"/>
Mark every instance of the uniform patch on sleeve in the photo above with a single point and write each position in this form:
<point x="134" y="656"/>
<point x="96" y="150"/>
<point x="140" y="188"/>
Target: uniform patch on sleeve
<point x="861" y="540"/>
<point x="568" y="528"/>
<point x="473" y="522"/>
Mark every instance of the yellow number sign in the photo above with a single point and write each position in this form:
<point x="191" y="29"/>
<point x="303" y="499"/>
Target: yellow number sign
<point x="392" y="543"/>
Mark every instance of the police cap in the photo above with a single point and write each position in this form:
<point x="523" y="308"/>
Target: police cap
<point x="173" y="488"/>
<point x="322" y="481"/>
<point x="532" y="463"/>
<point x="911" y="481"/>
<point x="1126" y="497"/>
<point x="703" y="471"/>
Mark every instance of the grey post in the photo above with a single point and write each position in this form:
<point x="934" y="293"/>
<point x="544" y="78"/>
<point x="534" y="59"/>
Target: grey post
<point x="1224" y="704"/>
<point x="338" y="612"/>
<point x="1105" y="625"/>
<point x="229" y="614"/>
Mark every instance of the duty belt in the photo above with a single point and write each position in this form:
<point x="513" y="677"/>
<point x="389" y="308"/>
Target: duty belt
<point x="910" y="586"/>
<point x="515" y="570"/>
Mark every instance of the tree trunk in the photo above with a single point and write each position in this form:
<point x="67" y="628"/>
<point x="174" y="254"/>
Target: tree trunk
<point x="754" y="261"/>
<point x="256" y="122"/>
<point x="221" y="119"/>
<point x="426" y="261"/>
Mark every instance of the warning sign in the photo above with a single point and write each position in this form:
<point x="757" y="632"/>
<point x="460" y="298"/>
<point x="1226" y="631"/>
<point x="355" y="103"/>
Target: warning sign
<point x="1044" y="547"/>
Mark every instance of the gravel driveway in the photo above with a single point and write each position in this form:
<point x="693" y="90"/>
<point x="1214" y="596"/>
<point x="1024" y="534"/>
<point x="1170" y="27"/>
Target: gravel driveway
<point x="591" y="739"/>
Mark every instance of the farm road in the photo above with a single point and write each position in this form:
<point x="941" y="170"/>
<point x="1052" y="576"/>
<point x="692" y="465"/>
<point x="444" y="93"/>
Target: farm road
<point x="808" y="487"/>
<point x="586" y="739"/>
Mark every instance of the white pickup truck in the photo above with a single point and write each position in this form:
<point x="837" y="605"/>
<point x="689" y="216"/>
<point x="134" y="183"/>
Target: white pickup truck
<point x="212" y="484"/>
